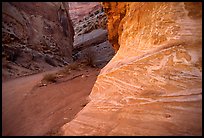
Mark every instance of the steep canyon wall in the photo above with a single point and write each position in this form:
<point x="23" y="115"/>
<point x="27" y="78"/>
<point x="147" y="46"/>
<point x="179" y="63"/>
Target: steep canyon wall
<point x="34" y="32"/>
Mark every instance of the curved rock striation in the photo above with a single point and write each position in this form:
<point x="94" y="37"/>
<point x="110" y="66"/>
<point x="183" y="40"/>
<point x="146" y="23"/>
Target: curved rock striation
<point x="153" y="85"/>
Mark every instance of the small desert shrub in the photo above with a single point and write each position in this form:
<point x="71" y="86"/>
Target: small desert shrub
<point x="74" y="66"/>
<point x="67" y="69"/>
<point x="49" y="78"/>
<point x="89" y="59"/>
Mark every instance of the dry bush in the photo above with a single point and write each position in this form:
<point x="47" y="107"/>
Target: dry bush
<point x="90" y="59"/>
<point x="67" y="69"/>
<point x="73" y="66"/>
<point x="50" y="78"/>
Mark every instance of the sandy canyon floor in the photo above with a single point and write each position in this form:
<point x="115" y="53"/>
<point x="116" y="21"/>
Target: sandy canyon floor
<point x="28" y="109"/>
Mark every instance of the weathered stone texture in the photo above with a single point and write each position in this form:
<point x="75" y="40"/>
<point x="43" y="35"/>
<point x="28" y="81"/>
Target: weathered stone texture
<point x="36" y="27"/>
<point x="153" y="85"/>
<point x="32" y="31"/>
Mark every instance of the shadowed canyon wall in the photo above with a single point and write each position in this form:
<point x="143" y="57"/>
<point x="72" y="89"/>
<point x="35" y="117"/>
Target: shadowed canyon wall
<point x="80" y="9"/>
<point x="91" y="36"/>
<point x="153" y="85"/>
<point x="37" y="32"/>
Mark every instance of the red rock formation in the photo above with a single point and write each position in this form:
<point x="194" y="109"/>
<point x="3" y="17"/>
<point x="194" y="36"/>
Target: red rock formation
<point x="114" y="19"/>
<point x="93" y="21"/>
<point x="153" y="85"/>
<point x="80" y="9"/>
<point x="87" y="16"/>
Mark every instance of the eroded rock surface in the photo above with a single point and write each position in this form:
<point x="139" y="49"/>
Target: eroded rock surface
<point x="94" y="20"/>
<point x="80" y="9"/>
<point x="87" y="16"/>
<point x="94" y="46"/>
<point x="153" y="85"/>
<point x="36" y="35"/>
<point x="91" y="37"/>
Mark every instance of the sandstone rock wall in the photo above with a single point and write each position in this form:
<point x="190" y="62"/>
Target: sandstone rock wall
<point x="80" y="9"/>
<point x="115" y="12"/>
<point x="153" y="85"/>
<point x="93" y="46"/>
<point x="95" y="20"/>
<point x="87" y="16"/>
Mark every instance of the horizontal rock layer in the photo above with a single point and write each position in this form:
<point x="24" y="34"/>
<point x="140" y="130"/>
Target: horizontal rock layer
<point x="153" y="85"/>
<point x="95" y="20"/>
<point x="78" y="10"/>
<point x="87" y="16"/>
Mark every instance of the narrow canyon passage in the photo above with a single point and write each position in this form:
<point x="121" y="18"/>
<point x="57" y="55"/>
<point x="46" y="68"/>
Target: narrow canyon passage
<point x="36" y="44"/>
<point x="110" y="68"/>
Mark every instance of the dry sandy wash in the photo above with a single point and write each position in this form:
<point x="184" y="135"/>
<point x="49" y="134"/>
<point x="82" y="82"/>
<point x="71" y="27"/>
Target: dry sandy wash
<point x="31" y="110"/>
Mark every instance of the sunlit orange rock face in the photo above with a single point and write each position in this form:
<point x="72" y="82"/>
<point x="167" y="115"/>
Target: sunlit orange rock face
<point x="152" y="86"/>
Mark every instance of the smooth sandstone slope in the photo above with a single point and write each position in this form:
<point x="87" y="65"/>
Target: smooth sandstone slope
<point x="152" y="86"/>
